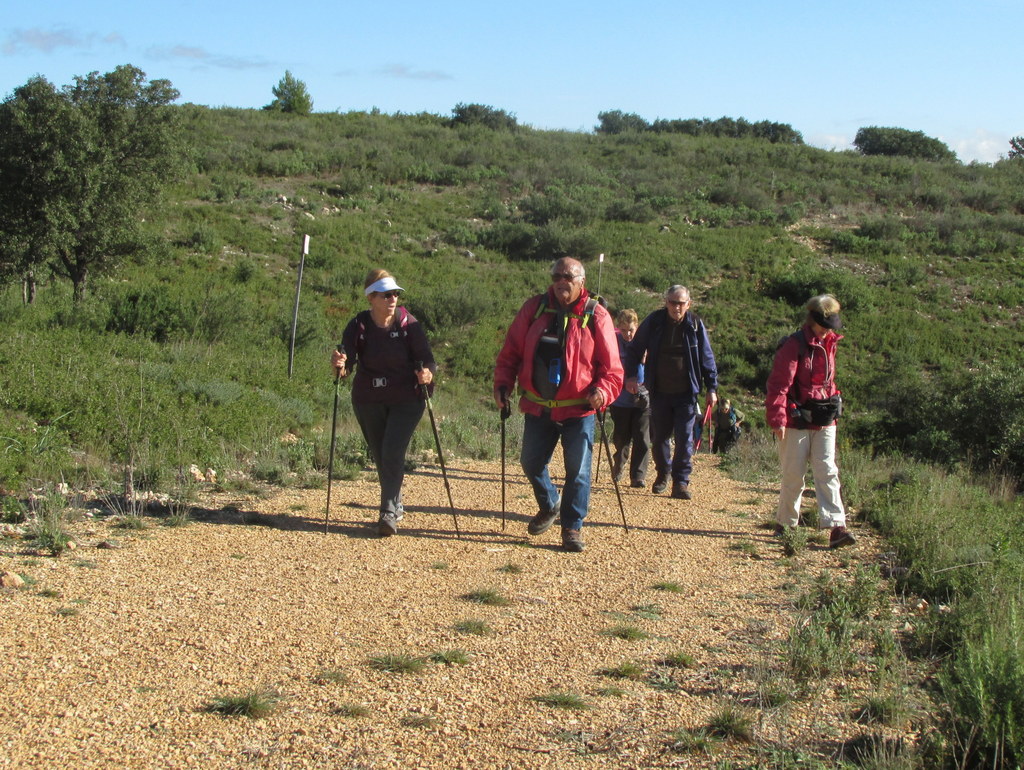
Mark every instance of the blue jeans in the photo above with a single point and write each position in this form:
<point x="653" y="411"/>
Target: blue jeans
<point x="388" y="429"/>
<point x="673" y="416"/>
<point x="540" y="436"/>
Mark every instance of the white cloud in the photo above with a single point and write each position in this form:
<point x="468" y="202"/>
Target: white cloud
<point x="984" y="146"/>
<point x="406" y="72"/>
<point x="36" y="39"/>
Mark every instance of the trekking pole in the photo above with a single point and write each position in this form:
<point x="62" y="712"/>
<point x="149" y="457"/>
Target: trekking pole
<point x="425" y="392"/>
<point x="330" y="451"/>
<point x="704" y="424"/>
<point x="506" y="412"/>
<point x="615" y="482"/>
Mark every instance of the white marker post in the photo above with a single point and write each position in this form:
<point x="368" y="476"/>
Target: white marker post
<point x="295" y="312"/>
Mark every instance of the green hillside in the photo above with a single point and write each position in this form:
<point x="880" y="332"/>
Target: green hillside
<point x="924" y="255"/>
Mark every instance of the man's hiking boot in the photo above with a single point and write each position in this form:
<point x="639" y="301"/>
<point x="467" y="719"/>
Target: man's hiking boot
<point x="637" y="484"/>
<point x="571" y="540"/>
<point x="542" y="521"/>
<point x="680" y="491"/>
<point x="617" y="471"/>
<point x="388" y="524"/>
<point x="839" y="537"/>
<point x="660" y="483"/>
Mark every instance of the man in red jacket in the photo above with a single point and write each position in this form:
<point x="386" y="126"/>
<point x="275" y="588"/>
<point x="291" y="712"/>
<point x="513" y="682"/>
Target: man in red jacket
<point x="801" y="407"/>
<point x="561" y="348"/>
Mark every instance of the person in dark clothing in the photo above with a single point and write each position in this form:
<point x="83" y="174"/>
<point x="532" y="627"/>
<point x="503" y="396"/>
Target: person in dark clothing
<point x="386" y="345"/>
<point x="679" y="363"/>
<point x="727" y="426"/>
<point x="631" y="414"/>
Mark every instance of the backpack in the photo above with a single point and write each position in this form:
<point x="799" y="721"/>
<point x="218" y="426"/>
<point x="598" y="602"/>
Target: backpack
<point x="361" y="319"/>
<point x="588" y="311"/>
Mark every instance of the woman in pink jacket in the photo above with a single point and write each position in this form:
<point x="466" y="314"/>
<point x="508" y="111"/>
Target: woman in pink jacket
<point x="802" y="406"/>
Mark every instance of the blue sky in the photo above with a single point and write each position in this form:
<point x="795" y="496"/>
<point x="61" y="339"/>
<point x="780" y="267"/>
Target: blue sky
<point x="948" y="68"/>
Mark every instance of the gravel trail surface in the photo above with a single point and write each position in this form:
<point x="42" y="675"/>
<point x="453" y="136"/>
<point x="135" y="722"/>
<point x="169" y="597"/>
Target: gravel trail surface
<point x="112" y="656"/>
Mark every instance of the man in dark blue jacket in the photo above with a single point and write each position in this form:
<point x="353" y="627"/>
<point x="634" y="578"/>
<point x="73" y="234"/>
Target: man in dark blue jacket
<point x="679" y="363"/>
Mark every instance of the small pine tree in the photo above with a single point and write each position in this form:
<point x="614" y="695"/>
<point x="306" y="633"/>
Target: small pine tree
<point x="291" y="95"/>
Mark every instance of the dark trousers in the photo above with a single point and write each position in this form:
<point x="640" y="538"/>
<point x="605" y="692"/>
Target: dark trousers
<point x="388" y="429"/>
<point x="631" y="436"/>
<point x="672" y="417"/>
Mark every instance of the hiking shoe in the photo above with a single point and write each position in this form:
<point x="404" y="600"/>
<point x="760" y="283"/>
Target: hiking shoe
<point x="660" y="483"/>
<point x="680" y="491"/>
<point x="637" y="484"/>
<point x="542" y="521"/>
<point x="839" y="537"/>
<point x="617" y="471"/>
<point x="388" y="524"/>
<point x="571" y="540"/>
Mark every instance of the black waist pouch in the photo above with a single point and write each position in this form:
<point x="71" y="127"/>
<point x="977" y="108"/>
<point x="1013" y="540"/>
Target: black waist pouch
<point x="821" y="412"/>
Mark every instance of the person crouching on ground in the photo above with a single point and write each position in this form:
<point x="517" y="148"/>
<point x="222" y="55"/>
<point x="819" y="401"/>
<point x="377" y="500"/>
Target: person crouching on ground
<point x="383" y="343"/>
<point x="801" y="406"/>
<point x="679" y="360"/>
<point x="561" y="348"/>
<point x="631" y="414"/>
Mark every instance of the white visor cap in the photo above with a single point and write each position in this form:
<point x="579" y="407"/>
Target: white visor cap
<point x="384" y="284"/>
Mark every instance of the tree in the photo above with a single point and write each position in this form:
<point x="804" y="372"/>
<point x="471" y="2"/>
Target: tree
<point x="1016" y="147"/>
<point x="77" y="167"/>
<point x="899" y="141"/>
<point x="619" y="122"/>
<point x="290" y="95"/>
<point x="482" y="115"/>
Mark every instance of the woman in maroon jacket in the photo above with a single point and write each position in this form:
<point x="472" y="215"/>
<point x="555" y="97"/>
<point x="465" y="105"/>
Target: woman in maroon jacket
<point x="392" y="359"/>
<point x="801" y="406"/>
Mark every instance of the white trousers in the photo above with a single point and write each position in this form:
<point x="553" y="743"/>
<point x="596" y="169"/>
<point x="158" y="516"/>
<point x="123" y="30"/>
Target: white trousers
<point x="818" y="446"/>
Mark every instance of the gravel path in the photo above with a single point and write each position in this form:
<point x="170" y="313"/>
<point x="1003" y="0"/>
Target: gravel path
<point x="111" y="656"/>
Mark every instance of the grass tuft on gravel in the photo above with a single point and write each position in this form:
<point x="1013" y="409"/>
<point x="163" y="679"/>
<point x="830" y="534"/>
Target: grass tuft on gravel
<point x="473" y="626"/>
<point x="678" y="660"/>
<point x="669" y="586"/>
<point x="352" y="710"/>
<point x="562" y="700"/>
<point x="492" y="597"/>
<point x="254" y="704"/>
<point x="398" y="663"/>
<point x="628" y="632"/>
<point x="331" y="676"/>
<point x="450" y="657"/>
<point x="627" y="670"/>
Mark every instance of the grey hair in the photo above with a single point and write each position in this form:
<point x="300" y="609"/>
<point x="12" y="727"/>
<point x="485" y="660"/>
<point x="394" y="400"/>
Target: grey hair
<point x="676" y="287"/>
<point x="583" y="270"/>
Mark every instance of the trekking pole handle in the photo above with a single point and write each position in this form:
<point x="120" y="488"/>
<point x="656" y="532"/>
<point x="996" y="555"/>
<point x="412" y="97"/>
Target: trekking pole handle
<point x="340" y="348"/>
<point x="506" y="407"/>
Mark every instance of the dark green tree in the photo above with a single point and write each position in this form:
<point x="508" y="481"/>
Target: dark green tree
<point x="291" y="95"/>
<point x="619" y="122"/>
<point x="899" y="141"/>
<point x="482" y="115"/>
<point x="1016" y="147"/>
<point x="77" y="168"/>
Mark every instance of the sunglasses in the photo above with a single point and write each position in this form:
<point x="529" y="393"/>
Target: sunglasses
<point x="678" y="302"/>
<point x="555" y="277"/>
<point x="387" y="294"/>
